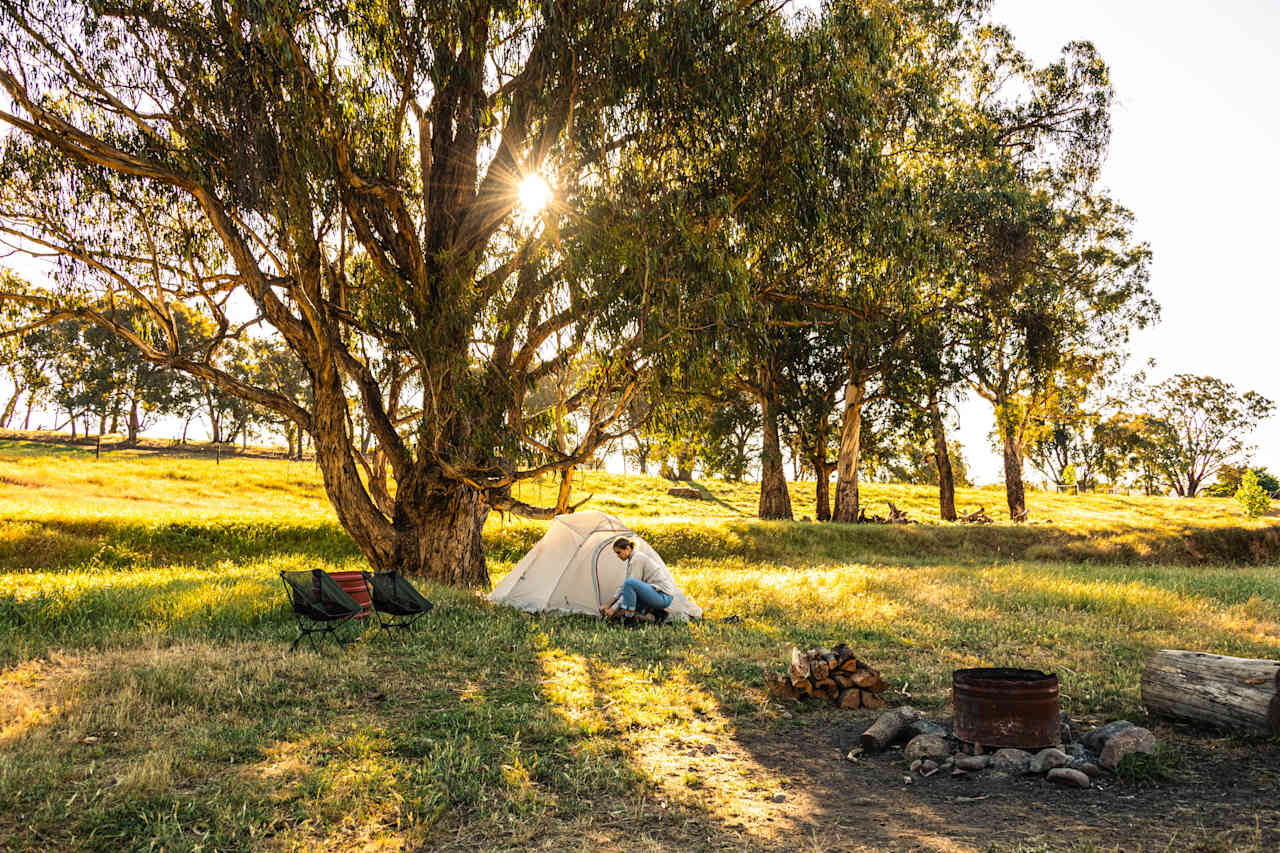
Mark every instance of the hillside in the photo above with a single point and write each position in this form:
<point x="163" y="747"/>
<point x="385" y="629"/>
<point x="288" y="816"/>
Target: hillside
<point x="148" y="698"/>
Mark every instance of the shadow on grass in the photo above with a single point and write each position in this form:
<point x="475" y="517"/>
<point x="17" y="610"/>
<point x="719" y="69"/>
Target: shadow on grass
<point x="486" y="729"/>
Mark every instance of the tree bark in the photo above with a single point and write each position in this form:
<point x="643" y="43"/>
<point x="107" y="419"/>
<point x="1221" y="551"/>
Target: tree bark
<point x="133" y="424"/>
<point x="31" y="404"/>
<point x="437" y="534"/>
<point x="1239" y="694"/>
<point x="775" y="500"/>
<point x="1015" y="493"/>
<point x="566" y="489"/>
<point x="942" y="457"/>
<point x="7" y="417"/>
<point x="846" y="505"/>
<point x="822" y="491"/>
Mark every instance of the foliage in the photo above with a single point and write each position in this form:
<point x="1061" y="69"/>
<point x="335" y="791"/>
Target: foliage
<point x="1193" y="425"/>
<point x="1254" y="499"/>
<point x="1227" y="481"/>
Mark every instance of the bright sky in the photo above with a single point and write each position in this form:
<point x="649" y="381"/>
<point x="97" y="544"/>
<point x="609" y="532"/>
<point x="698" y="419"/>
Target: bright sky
<point x="1195" y="154"/>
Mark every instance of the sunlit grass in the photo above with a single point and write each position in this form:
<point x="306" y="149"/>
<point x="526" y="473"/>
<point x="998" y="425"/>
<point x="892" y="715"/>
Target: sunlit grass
<point x="148" y="698"/>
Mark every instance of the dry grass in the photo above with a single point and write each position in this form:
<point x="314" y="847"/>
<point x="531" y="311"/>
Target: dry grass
<point x="148" y="699"/>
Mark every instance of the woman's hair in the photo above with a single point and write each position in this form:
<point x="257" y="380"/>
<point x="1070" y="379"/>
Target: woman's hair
<point x="618" y="544"/>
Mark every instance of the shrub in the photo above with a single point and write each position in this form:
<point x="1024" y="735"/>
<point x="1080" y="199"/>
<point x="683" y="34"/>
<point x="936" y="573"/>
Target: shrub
<point x="1252" y="496"/>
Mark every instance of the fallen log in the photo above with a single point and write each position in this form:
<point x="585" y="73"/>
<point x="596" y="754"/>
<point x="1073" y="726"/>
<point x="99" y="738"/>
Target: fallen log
<point x="1237" y="694"/>
<point x="888" y="727"/>
<point x="978" y="516"/>
<point x="897" y="516"/>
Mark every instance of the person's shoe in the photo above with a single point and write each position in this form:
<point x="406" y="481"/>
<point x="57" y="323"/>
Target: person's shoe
<point x="659" y="616"/>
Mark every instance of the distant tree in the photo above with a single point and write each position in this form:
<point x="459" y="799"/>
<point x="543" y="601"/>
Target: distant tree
<point x="1254" y="499"/>
<point x="1194" y="425"/>
<point x="1227" y="481"/>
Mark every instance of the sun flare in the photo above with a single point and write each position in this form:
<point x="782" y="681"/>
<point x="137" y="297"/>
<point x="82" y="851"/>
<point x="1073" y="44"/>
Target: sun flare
<point x="535" y="193"/>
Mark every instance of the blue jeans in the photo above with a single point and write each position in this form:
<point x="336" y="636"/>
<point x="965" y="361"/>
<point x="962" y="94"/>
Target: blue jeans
<point x="636" y="591"/>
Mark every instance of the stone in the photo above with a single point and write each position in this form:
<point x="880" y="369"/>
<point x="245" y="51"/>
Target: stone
<point x="1127" y="742"/>
<point x="1068" y="777"/>
<point x="779" y="798"/>
<point x="958" y="772"/>
<point x="1088" y="768"/>
<point x="972" y="762"/>
<point x="1077" y="751"/>
<point x="1047" y="759"/>
<point x="928" y="766"/>
<point x="1065" y="733"/>
<point x="1095" y="740"/>
<point x="1011" y="761"/>
<point x="926" y="746"/>
<point x="928" y="727"/>
<point x="915" y="765"/>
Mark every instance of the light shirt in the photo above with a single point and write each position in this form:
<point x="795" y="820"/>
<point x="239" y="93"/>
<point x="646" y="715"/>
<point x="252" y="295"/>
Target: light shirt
<point x="641" y="567"/>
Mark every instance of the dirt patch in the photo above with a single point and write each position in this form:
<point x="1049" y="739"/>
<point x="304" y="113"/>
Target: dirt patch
<point x="1222" y="798"/>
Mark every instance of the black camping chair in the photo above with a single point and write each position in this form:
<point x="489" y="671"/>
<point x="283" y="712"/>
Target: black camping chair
<point x="393" y="596"/>
<point x="319" y="604"/>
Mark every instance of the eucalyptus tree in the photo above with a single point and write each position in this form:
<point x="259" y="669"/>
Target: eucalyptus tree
<point x="1057" y="280"/>
<point x="1192" y="426"/>
<point x="347" y="176"/>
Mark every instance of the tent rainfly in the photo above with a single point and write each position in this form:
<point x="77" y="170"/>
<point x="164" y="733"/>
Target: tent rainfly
<point x="572" y="569"/>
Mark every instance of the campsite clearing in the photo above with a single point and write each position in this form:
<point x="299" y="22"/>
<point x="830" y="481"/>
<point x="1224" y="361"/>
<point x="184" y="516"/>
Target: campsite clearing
<point x="148" y="698"/>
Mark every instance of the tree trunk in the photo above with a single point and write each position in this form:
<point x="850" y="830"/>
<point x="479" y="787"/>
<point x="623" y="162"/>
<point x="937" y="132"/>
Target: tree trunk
<point x="846" y="508"/>
<point x="7" y="417"/>
<point x="942" y="457"/>
<point x="31" y="404"/>
<point x="437" y="535"/>
<point x="566" y="488"/>
<point x="822" y="491"/>
<point x="73" y="424"/>
<point x="775" y="500"/>
<point x="684" y="465"/>
<point x="133" y="424"/>
<point x="1015" y="494"/>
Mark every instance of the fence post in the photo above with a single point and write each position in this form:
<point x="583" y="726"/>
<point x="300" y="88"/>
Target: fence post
<point x="217" y="454"/>
<point x="97" y="449"/>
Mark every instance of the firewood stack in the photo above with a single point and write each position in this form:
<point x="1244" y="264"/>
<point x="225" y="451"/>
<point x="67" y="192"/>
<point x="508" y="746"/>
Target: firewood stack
<point x="834" y="674"/>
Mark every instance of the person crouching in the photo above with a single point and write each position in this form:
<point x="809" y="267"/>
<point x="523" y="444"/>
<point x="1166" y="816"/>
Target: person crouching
<point x="647" y="588"/>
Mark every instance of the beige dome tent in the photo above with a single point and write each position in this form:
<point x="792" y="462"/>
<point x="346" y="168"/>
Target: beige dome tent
<point x="572" y="569"/>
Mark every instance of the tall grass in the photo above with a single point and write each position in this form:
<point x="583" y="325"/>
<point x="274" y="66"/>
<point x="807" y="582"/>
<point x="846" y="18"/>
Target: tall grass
<point x="148" y="700"/>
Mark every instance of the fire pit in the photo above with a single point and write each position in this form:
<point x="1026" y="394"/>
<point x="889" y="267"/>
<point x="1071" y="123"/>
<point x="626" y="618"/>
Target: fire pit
<point x="1006" y="707"/>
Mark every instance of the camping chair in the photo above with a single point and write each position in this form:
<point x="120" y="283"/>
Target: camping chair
<point x="319" y="604"/>
<point x="394" y="596"/>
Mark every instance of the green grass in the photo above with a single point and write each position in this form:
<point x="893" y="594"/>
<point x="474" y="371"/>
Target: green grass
<point x="148" y="699"/>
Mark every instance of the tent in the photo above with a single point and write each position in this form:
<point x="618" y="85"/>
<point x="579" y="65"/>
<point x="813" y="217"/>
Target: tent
<point x="572" y="569"/>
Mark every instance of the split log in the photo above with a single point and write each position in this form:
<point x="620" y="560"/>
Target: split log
<point x="871" y="701"/>
<point x="1238" y="694"/>
<point x="850" y="699"/>
<point x="888" y="727"/>
<point x="819" y="670"/>
<point x="850" y="664"/>
<point x="800" y="666"/>
<point x="780" y="686"/>
<point x="843" y="680"/>
<point x="842" y="652"/>
<point x="827" y="687"/>
<point x="869" y="679"/>
<point x="978" y="516"/>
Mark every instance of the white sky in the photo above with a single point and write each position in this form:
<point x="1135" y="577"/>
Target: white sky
<point x="1195" y="154"/>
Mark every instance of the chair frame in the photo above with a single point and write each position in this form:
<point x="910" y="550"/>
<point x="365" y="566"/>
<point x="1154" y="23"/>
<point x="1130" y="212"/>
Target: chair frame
<point x="388" y="621"/>
<point x="309" y="626"/>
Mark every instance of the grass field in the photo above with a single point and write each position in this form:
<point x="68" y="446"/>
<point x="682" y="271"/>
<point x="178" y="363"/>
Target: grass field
<point x="148" y="699"/>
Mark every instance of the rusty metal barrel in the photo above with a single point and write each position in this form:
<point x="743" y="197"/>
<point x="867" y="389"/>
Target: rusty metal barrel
<point x="1006" y="707"/>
